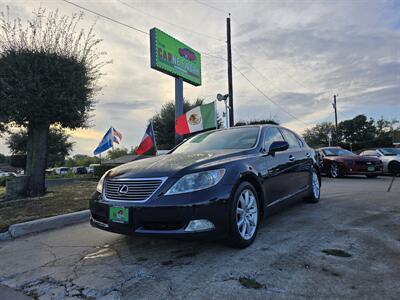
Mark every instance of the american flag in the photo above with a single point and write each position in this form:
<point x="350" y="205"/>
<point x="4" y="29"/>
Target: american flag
<point x="117" y="136"/>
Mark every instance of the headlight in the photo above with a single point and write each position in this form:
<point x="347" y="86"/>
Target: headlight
<point x="196" y="181"/>
<point x="99" y="187"/>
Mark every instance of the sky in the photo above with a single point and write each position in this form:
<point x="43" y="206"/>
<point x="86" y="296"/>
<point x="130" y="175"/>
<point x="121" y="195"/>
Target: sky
<point x="295" y="55"/>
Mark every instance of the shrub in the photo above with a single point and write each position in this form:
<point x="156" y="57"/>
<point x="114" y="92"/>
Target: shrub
<point x="100" y="170"/>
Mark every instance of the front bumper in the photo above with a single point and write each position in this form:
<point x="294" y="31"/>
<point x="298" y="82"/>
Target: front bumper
<point x="363" y="170"/>
<point x="167" y="216"/>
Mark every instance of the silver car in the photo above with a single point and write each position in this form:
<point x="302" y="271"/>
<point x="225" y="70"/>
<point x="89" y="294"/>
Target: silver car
<point x="390" y="158"/>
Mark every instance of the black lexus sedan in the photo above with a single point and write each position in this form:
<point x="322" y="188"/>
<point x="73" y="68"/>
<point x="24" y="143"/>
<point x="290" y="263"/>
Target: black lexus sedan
<point x="216" y="184"/>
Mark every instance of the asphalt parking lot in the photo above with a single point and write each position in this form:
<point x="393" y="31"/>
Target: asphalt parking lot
<point x="346" y="246"/>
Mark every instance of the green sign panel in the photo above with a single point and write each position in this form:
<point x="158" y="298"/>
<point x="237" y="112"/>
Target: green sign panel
<point x="174" y="58"/>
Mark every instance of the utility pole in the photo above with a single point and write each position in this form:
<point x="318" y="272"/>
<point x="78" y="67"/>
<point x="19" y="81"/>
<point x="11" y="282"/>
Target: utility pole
<point x="230" y="83"/>
<point x="335" y="108"/>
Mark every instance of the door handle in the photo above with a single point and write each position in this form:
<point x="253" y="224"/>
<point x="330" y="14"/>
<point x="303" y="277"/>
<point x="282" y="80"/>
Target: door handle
<point x="291" y="157"/>
<point x="308" y="155"/>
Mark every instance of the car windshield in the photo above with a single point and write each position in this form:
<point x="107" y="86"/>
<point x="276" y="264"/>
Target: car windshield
<point x="235" y="138"/>
<point x="336" y="152"/>
<point x="389" y="151"/>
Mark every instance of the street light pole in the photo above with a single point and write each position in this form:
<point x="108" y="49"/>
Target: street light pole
<point x="230" y="83"/>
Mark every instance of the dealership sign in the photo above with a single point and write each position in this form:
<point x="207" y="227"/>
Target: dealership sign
<point x="174" y="58"/>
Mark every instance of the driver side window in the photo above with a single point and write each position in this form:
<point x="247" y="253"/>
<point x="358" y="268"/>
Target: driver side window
<point x="272" y="135"/>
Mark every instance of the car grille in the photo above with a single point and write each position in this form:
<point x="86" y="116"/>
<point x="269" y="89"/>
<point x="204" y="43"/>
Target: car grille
<point x="133" y="189"/>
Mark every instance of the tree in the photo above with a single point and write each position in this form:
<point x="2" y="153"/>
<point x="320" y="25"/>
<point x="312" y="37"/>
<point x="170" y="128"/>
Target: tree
<point x="57" y="149"/>
<point x="49" y="74"/>
<point x="256" y="122"/>
<point x="117" y="152"/>
<point x="357" y="133"/>
<point x="318" y="136"/>
<point x="385" y="128"/>
<point x="356" y="130"/>
<point x="2" y="158"/>
<point x="164" y="123"/>
<point x="81" y="160"/>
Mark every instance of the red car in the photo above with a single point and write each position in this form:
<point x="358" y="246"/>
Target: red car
<point x="187" y="53"/>
<point x="338" y="162"/>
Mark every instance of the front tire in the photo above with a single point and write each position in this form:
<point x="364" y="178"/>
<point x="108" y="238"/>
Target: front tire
<point x="244" y="216"/>
<point x="334" y="170"/>
<point x="394" y="168"/>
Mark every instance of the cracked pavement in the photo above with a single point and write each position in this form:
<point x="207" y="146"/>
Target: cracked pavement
<point x="294" y="256"/>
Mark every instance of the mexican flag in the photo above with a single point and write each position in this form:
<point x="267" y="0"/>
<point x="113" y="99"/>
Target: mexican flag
<point x="197" y="119"/>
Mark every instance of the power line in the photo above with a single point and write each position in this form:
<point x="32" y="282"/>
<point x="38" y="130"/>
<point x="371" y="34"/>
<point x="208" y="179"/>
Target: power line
<point x="257" y="71"/>
<point x="213" y="7"/>
<point x="204" y="53"/>
<point x="277" y="67"/>
<point x="105" y="17"/>
<point x="267" y="97"/>
<point x="128" y="26"/>
<point x="170" y="23"/>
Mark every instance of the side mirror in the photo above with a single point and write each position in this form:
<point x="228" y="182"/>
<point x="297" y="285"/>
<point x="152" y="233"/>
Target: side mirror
<point x="277" y="147"/>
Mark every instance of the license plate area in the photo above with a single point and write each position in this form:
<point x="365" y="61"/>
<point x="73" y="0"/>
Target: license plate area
<point x="371" y="169"/>
<point x="119" y="214"/>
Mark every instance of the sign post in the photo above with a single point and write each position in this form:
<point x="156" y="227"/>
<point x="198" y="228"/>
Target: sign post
<point x="174" y="58"/>
<point x="178" y="104"/>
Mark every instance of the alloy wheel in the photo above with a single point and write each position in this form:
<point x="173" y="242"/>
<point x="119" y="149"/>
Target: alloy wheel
<point x="247" y="214"/>
<point x="334" y="169"/>
<point x="315" y="185"/>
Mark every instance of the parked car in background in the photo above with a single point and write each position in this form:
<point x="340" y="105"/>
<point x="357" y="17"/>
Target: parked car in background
<point x="338" y="162"/>
<point x="390" y="158"/>
<point x="7" y="174"/>
<point x="90" y="169"/>
<point x="216" y="184"/>
<point x="79" y="170"/>
<point x="62" y="171"/>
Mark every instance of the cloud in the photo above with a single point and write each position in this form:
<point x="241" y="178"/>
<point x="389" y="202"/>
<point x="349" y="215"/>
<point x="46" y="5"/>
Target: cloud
<point x="304" y="52"/>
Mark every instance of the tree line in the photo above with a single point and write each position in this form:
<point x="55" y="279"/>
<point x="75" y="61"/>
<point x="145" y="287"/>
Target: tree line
<point x="356" y="134"/>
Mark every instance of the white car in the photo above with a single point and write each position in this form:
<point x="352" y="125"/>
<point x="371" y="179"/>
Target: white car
<point x="62" y="171"/>
<point x="91" y="167"/>
<point x="390" y="158"/>
<point x="7" y="174"/>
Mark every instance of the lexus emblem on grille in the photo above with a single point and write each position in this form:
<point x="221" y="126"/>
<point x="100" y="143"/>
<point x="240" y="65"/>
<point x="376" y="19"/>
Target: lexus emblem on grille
<point x="123" y="189"/>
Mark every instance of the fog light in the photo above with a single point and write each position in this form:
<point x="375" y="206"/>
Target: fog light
<point x="199" y="225"/>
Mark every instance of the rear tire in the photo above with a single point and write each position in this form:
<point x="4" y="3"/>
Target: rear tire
<point x="244" y="217"/>
<point x="314" y="192"/>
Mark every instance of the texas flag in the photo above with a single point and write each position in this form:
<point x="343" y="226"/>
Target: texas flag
<point x="148" y="143"/>
<point x="117" y="135"/>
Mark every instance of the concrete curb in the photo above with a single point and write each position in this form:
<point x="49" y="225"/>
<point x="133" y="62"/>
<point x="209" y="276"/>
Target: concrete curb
<point x="21" y="229"/>
<point x="4" y="236"/>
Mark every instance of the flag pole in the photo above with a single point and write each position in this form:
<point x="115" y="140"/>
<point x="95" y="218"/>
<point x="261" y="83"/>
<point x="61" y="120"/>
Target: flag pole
<point x="155" y="141"/>
<point x="112" y="137"/>
<point x="215" y="112"/>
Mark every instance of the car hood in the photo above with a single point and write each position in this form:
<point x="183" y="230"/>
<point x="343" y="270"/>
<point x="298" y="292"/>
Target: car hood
<point x="171" y="165"/>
